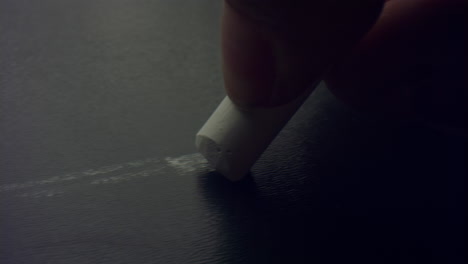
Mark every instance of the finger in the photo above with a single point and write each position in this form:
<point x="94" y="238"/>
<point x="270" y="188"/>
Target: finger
<point x="272" y="50"/>
<point x="410" y="64"/>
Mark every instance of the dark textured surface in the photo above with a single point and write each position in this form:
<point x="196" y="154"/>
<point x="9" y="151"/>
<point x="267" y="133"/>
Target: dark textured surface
<point x="99" y="103"/>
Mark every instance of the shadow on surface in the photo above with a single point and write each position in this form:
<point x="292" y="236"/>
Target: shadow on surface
<point x="373" y="195"/>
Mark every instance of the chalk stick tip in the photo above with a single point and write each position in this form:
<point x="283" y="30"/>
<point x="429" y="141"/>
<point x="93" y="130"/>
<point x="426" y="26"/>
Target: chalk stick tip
<point x="220" y="158"/>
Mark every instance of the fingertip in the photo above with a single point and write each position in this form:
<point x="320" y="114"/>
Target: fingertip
<point x="269" y="63"/>
<point x="405" y="61"/>
<point x="248" y="61"/>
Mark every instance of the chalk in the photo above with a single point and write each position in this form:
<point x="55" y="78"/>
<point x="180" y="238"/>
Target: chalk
<point x="234" y="138"/>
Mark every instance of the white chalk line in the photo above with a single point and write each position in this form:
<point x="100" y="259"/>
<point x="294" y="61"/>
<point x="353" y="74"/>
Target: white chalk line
<point x="124" y="177"/>
<point x="78" y="175"/>
<point x="183" y="164"/>
<point x="41" y="193"/>
<point x="187" y="163"/>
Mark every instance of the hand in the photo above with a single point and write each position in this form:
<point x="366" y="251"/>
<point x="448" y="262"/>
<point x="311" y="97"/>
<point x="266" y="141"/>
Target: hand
<point x="402" y="57"/>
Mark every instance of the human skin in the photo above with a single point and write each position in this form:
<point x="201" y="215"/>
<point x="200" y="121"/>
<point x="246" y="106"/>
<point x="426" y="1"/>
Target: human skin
<point x="401" y="58"/>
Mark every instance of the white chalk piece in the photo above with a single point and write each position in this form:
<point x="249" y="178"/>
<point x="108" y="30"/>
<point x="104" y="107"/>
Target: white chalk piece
<point x="233" y="138"/>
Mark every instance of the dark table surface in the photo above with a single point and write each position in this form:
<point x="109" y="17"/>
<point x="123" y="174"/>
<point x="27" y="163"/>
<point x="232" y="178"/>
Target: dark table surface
<point x="99" y="104"/>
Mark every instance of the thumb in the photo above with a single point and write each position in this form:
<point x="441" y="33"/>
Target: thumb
<point x="410" y="65"/>
<point x="273" y="50"/>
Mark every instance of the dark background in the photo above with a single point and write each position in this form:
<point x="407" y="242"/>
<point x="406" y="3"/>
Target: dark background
<point x="99" y="104"/>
